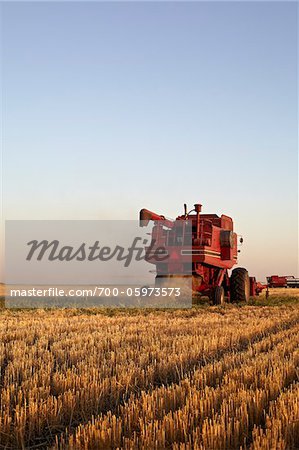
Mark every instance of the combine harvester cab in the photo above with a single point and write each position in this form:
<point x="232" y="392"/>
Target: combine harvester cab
<point x="210" y="243"/>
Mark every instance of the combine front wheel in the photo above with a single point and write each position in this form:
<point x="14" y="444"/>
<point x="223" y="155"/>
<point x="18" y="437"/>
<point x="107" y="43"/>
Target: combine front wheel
<point x="239" y="285"/>
<point x="218" y="296"/>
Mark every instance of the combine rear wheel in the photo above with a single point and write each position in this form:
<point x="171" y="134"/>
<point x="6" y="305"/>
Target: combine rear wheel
<point x="239" y="285"/>
<point x="217" y="296"/>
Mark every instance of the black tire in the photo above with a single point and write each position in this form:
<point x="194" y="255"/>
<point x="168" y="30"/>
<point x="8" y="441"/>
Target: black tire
<point x="217" y="296"/>
<point x="196" y="283"/>
<point x="239" y="285"/>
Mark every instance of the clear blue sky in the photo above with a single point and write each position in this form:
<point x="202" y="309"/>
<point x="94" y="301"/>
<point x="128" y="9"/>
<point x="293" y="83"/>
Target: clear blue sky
<point x="111" y="107"/>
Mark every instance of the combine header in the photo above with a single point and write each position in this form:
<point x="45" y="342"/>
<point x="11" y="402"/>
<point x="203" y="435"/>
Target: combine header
<point x="210" y="243"/>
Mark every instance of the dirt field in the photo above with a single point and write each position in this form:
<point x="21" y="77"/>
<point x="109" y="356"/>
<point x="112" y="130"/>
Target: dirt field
<point x="206" y="378"/>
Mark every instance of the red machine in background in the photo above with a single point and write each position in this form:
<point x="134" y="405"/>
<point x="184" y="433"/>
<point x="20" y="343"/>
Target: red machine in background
<point x="284" y="281"/>
<point x="201" y="246"/>
<point x="275" y="281"/>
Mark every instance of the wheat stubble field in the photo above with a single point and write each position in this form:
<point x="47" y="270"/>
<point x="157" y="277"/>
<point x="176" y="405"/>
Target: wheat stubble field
<point x="206" y="378"/>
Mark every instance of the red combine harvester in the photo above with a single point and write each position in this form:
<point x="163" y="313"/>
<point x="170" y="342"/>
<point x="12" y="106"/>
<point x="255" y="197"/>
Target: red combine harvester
<point x="201" y="246"/>
<point x="284" y="281"/>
